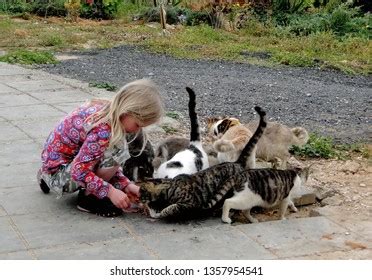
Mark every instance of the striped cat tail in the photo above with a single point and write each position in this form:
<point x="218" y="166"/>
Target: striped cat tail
<point x="249" y="147"/>
<point x="194" y="132"/>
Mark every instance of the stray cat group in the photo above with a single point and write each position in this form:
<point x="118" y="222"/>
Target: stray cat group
<point x="185" y="183"/>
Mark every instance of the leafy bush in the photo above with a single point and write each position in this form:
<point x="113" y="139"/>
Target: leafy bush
<point x="152" y="14"/>
<point x="29" y="57"/>
<point x="49" y="8"/>
<point x="343" y="20"/>
<point x="101" y="9"/>
<point x="15" y="6"/>
<point x="198" y="17"/>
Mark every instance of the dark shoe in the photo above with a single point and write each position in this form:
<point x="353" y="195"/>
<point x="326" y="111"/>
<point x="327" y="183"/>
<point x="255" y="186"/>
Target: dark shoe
<point x="101" y="207"/>
<point x="44" y="187"/>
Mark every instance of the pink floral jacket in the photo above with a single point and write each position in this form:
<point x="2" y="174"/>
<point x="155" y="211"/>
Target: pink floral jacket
<point x="70" y="143"/>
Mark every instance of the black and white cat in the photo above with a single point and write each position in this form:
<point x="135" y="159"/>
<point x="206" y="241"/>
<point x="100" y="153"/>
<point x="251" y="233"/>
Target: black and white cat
<point x="265" y="188"/>
<point x="139" y="165"/>
<point x="193" y="158"/>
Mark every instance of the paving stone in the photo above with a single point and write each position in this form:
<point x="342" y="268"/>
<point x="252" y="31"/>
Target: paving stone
<point x="37" y="85"/>
<point x="223" y="242"/>
<point x="68" y="107"/>
<point x="14" y="202"/>
<point x="2" y="211"/>
<point x="19" y="151"/>
<point x="20" y="175"/>
<point x="9" y="241"/>
<point x="298" y="237"/>
<point x="4" y="89"/>
<point x="9" y="100"/>
<point x="9" y="132"/>
<point x="11" y="70"/>
<point x="62" y="96"/>
<point x="33" y="112"/>
<point x="19" y="255"/>
<point x="38" y="129"/>
<point x="118" y="249"/>
<point x="44" y="229"/>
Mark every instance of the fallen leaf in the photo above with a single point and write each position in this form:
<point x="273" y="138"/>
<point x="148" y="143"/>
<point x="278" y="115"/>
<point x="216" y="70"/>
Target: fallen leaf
<point x="355" y="245"/>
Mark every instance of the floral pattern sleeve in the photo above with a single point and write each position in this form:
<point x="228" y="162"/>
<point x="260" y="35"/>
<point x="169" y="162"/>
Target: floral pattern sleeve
<point x="120" y="181"/>
<point x="89" y="155"/>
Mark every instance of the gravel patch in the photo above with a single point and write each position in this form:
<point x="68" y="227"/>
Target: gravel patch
<point x="327" y="102"/>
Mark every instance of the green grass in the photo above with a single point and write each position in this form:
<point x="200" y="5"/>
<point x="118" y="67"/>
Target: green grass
<point x="173" y="115"/>
<point x="29" y="57"/>
<point x="321" y="49"/>
<point x="169" y="129"/>
<point x="104" y="85"/>
<point x="324" y="147"/>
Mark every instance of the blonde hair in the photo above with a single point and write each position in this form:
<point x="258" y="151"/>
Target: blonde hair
<point x="140" y="99"/>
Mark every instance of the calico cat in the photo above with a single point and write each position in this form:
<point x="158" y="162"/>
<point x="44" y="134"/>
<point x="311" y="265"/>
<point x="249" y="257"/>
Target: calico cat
<point x="231" y="136"/>
<point x="265" y="188"/>
<point x="193" y="158"/>
<point x="189" y="195"/>
<point x="139" y="165"/>
<point x="272" y="147"/>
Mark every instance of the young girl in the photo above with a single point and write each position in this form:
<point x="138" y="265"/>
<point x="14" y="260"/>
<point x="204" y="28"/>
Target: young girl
<point x="88" y="146"/>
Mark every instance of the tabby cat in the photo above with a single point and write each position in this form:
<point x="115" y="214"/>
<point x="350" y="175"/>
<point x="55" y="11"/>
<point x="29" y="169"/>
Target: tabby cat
<point x="189" y="195"/>
<point x="265" y="188"/>
<point x="193" y="158"/>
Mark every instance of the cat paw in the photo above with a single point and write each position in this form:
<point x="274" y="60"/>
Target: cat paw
<point x="153" y="213"/>
<point x="226" y="220"/>
<point x="294" y="209"/>
<point x="253" y="220"/>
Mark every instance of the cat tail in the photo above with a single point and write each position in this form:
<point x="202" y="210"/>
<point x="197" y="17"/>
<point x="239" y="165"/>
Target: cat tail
<point x="223" y="146"/>
<point x="251" y="145"/>
<point x="194" y="132"/>
<point x="300" y="136"/>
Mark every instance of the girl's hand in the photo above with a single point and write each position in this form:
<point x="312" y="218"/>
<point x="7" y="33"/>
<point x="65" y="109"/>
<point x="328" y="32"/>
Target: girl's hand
<point x="132" y="190"/>
<point x="118" y="198"/>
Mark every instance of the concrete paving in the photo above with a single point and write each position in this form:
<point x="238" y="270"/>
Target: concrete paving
<point x="38" y="226"/>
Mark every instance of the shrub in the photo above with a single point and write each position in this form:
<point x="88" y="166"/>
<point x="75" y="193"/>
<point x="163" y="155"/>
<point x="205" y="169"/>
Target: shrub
<point x="49" y="8"/>
<point x="101" y="9"/>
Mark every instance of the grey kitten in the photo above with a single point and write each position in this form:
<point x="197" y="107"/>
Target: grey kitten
<point x="168" y="148"/>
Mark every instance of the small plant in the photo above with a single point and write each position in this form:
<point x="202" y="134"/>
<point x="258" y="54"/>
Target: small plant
<point x="316" y="147"/>
<point x="29" y="57"/>
<point x="53" y="40"/>
<point x="103" y="85"/>
<point x="173" y="115"/>
<point x="169" y="129"/>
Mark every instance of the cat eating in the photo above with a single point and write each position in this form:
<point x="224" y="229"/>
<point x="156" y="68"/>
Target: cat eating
<point x="187" y="195"/>
<point x="265" y="188"/>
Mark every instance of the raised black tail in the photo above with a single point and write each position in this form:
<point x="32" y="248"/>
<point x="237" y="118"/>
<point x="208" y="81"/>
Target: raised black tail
<point x="249" y="147"/>
<point x="194" y="131"/>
